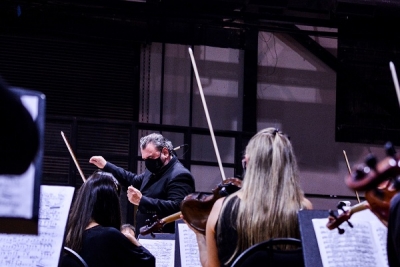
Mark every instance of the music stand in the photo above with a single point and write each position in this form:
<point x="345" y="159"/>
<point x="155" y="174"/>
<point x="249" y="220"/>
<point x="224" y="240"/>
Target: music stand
<point x="19" y="210"/>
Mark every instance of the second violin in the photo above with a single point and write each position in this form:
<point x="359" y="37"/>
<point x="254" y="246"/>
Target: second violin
<point x="379" y="180"/>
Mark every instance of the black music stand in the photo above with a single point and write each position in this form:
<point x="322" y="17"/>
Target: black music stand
<point x="312" y="256"/>
<point x="24" y="222"/>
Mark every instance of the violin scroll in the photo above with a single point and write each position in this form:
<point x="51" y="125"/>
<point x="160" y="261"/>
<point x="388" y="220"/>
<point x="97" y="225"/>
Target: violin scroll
<point x="335" y="221"/>
<point x="371" y="174"/>
<point x="152" y="226"/>
<point x="228" y="186"/>
<point x="155" y="225"/>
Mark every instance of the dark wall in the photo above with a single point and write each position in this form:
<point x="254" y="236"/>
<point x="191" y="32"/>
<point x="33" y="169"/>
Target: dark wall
<point x="89" y="71"/>
<point x="367" y="109"/>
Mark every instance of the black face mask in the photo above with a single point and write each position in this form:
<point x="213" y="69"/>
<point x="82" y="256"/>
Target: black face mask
<point x="154" y="165"/>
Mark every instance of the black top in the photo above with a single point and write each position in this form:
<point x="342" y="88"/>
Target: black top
<point x="227" y="238"/>
<point x="107" y="246"/>
<point x="162" y="193"/>
<point x="393" y="237"/>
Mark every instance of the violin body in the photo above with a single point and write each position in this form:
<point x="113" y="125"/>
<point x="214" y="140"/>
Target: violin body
<point x="197" y="206"/>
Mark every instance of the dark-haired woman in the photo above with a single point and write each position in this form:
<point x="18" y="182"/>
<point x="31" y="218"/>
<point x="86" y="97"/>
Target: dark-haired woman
<point x="94" y="227"/>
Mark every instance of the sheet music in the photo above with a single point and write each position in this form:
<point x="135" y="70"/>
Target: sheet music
<point x="188" y="247"/>
<point x="363" y="245"/>
<point x="162" y="249"/>
<point x="42" y="250"/>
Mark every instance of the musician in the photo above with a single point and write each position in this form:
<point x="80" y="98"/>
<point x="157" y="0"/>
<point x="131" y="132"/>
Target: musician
<point x="94" y="225"/>
<point x="265" y="207"/>
<point x="160" y="189"/>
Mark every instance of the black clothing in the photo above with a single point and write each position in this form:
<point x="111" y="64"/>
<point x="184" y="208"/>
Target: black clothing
<point x="107" y="246"/>
<point x="162" y="193"/>
<point x="227" y="239"/>
<point x="393" y="237"/>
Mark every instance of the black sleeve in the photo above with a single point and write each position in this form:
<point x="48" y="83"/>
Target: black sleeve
<point x="124" y="177"/>
<point x="177" y="189"/>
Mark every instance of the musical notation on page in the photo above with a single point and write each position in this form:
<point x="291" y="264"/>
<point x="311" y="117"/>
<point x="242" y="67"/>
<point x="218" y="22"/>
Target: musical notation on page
<point x="44" y="249"/>
<point x="364" y="244"/>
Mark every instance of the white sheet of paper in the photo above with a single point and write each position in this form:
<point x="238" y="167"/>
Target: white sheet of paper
<point x="162" y="249"/>
<point x="363" y="245"/>
<point x="188" y="247"/>
<point x="44" y="249"/>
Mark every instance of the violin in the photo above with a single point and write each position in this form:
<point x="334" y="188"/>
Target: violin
<point x="156" y="224"/>
<point x="195" y="208"/>
<point x="378" y="201"/>
<point x="372" y="174"/>
<point x="335" y="221"/>
<point x="379" y="180"/>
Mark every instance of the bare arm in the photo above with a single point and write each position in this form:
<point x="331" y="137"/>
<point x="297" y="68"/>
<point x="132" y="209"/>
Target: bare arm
<point x="211" y="242"/>
<point x="306" y="204"/>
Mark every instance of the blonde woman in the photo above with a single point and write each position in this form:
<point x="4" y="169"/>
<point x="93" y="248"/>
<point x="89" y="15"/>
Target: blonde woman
<point x="265" y="207"/>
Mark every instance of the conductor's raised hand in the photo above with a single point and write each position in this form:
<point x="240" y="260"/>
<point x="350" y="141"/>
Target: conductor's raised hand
<point x="99" y="161"/>
<point x="134" y="195"/>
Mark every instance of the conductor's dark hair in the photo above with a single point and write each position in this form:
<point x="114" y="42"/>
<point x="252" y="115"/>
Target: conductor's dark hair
<point x="158" y="140"/>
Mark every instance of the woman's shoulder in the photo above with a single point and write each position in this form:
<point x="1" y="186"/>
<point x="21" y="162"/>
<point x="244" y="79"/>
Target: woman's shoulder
<point x="306" y="204"/>
<point x="106" y="232"/>
<point x="220" y="202"/>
